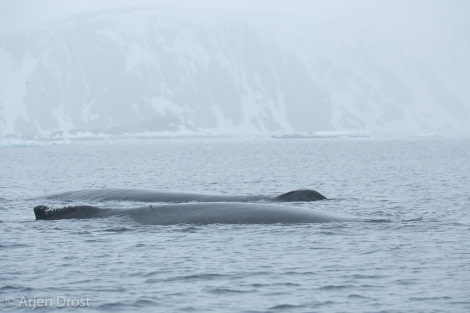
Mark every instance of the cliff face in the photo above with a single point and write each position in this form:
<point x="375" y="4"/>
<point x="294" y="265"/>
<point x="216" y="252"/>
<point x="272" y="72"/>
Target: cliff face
<point x="143" y="71"/>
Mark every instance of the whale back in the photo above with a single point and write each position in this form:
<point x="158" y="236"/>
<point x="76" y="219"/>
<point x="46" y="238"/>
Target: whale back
<point x="197" y="213"/>
<point x="228" y="213"/>
<point x="116" y="194"/>
<point x="300" y="195"/>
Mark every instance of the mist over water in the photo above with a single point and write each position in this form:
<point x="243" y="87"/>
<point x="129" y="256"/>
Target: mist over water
<point x="256" y="68"/>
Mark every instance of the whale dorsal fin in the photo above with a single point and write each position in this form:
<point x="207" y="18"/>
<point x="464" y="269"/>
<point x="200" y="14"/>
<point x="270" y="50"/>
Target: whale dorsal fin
<point x="300" y="195"/>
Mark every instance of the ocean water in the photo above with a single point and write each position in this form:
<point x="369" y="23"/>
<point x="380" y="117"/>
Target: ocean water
<point x="414" y="256"/>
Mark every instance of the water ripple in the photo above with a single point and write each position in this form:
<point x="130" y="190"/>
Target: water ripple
<point x="412" y="258"/>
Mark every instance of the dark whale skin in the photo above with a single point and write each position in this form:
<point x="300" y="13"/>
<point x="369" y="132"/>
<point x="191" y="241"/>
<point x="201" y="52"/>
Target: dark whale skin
<point x="300" y="195"/>
<point x="197" y="213"/>
<point x="116" y="194"/>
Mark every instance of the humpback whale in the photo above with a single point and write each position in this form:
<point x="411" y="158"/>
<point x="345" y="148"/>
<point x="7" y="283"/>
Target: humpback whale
<point x="115" y="194"/>
<point x="196" y="213"/>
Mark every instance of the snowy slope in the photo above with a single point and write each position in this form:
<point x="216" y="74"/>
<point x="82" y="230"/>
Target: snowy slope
<point x="147" y="71"/>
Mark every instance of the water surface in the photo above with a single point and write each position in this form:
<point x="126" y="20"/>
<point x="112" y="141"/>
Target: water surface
<point x="418" y="261"/>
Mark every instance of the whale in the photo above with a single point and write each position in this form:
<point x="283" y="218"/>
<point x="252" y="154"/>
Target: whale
<point x="117" y="194"/>
<point x="196" y="213"/>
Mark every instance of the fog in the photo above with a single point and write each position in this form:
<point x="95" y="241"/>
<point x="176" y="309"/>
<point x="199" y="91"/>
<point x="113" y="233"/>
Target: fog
<point x="251" y="67"/>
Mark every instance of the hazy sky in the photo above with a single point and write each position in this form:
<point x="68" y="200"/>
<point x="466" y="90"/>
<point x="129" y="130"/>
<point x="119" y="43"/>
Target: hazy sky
<point x="436" y="30"/>
<point x="421" y="23"/>
<point x="22" y="14"/>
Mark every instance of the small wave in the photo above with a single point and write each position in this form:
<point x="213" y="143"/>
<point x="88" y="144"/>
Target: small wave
<point x="299" y="273"/>
<point x="287" y="284"/>
<point x="13" y="246"/>
<point x="334" y="287"/>
<point x="10" y="288"/>
<point x="150" y="274"/>
<point x="429" y="298"/>
<point x="143" y="303"/>
<point x="378" y="220"/>
<point x="219" y="291"/>
<point x="82" y="232"/>
<point x="118" y="229"/>
<point x="113" y="306"/>
<point x="108" y="289"/>
<point x="417" y="219"/>
<point x="405" y="281"/>
<point x="183" y="228"/>
<point x="365" y="276"/>
<point x="187" y="278"/>
<point x="369" y="252"/>
<point x="356" y="296"/>
<point x="286" y="307"/>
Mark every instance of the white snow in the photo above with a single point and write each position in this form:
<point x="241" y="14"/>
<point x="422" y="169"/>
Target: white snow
<point x="169" y="66"/>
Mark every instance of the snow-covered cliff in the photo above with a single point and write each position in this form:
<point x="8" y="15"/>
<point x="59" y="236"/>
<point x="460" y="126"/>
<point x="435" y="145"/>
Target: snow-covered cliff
<point x="150" y="71"/>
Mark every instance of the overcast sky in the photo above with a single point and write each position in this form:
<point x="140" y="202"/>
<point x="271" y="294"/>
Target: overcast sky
<point x="23" y="14"/>
<point x="435" y="29"/>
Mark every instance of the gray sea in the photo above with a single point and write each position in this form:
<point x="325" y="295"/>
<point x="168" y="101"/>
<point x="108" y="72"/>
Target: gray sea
<point x="413" y="257"/>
